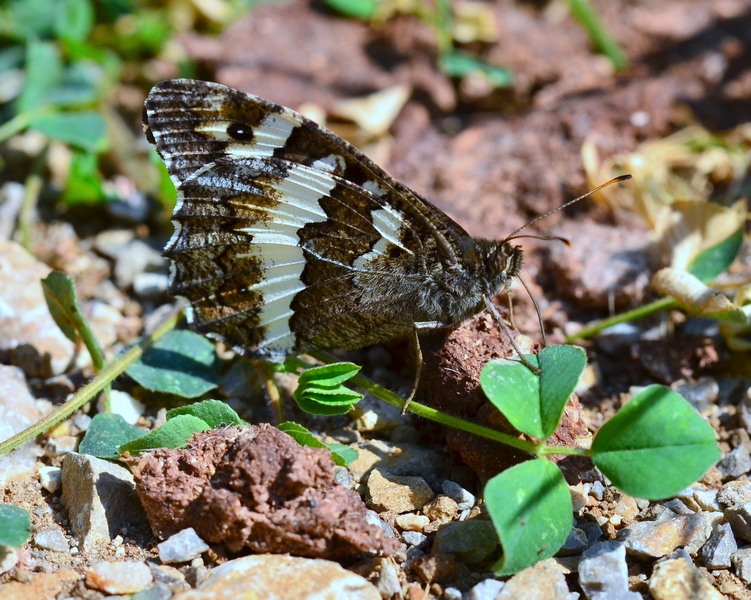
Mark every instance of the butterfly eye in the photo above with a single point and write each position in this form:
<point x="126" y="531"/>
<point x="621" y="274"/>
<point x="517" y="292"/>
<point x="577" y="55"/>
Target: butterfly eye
<point x="501" y="260"/>
<point x="239" y="132"/>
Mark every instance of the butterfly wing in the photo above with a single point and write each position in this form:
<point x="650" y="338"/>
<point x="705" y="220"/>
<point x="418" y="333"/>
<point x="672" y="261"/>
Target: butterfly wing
<point x="287" y="237"/>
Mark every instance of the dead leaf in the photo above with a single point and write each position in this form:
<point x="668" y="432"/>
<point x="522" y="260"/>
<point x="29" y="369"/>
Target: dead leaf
<point x="698" y="298"/>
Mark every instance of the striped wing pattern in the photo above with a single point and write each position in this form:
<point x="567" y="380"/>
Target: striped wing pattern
<point x="288" y="238"/>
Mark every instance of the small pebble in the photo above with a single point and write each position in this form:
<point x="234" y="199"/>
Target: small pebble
<point x="640" y="118"/>
<point x="134" y="258"/>
<point x="51" y="539"/>
<point x="741" y="561"/>
<point x="451" y="593"/>
<point x="388" y="581"/>
<point x="470" y="541"/>
<point x="603" y="574"/>
<point x="51" y="478"/>
<point x="343" y="477"/>
<point x="458" y="494"/>
<point x="575" y="543"/>
<point x="486" y="590"/>
<point x="412" y="522"/>
<point x="125" y="405"/>
<point x="167" y="574"/>
<point x="678" y="507"/>
<point x="739" y="518"/>
<point x="443" y="509"/>
<point x="718" y="549"/>
<point x="375" y="519"/>
<point x="82" y="421"/>
<point x="58" y="446"/>
<point x="680" y="579"/>
<point x="597" y="490"/>
<point x="8" y="558"/>
<point x="414" y="538"/>
<point x="737" y="462"/>
<point x="118" y="577"/>
<point x="397" y="493"/>
<point x="707" y="500"/>
<point x="542" y="580"/>
<point x="734" y="493"/>
<point x="701" y="395"/>
<point x="184" y="546"/>
<point x="160" y="591"/>
<point x="592" y="530"/>
<point x="579" y="495"/>
<point x="659" y="538"/>
<point x="196" y="572"/>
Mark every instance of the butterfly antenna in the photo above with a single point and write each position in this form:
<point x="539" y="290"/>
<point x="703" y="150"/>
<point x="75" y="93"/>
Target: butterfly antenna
<point x="547" y="238"/>
<point x="569" y="203"/>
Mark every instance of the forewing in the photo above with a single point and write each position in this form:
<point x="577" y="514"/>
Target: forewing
<point x="286" y="236"/>
<point x="192" y="123"/>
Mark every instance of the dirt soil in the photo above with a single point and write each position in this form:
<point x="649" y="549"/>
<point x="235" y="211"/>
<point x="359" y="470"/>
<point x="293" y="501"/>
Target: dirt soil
<point x="493" y="159"/>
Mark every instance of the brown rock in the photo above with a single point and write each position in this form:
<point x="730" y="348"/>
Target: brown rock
<point x="282" y="578"/>
<point x="41" y="586"/>
<point x="443" y="509"/>
<point x="659" y="538"/>
<point x="101" y="500"/>
<point x="450" y="383"/>
<point x="678" y="579"/>
<point x="119" y="577"/>
<point x="543" y="581"/>
<point x="397" y="494"/>
<point x="255" y="488"/>
<point x="443" y="567"/>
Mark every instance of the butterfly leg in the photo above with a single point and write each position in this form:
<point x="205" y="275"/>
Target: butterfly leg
<point x="418" y="367"/>
<point x="509" y="335"/>
<point x="418" y="354"/>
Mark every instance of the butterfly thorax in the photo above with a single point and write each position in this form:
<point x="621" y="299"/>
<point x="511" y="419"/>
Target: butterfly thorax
<point x="484" y="269"/>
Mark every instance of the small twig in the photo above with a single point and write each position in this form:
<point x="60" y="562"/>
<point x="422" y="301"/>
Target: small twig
<point x="275" y="398"/>
<point x="631" y="315"/>
<point x="598" y="32"/>
<point x="32" y="188"/>
<point x="105" y="377"/>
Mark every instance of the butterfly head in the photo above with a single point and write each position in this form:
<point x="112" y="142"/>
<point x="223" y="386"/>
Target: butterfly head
<point x="505" y="261"/>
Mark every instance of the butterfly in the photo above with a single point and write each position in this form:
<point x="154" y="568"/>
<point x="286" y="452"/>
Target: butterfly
<point x="289" y="239"/>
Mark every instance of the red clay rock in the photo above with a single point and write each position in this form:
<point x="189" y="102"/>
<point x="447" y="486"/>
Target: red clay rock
<point x="256" y="489"/>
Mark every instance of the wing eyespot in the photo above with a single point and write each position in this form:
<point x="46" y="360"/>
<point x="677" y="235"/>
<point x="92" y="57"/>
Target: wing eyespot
<point x="240" y="132"/>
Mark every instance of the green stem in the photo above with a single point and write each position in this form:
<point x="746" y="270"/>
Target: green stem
<point x="15" y="125"/>
<point x="567" y="450"/>
<point x="105" y="377"/>
<point x="275" y="398"/>
<point x="439" y="417"/>
<point x="443" y="26"/>
<point x="95" y="351"/>
<point x="89" y="340"/>
<point x="665" y="303"/>
<point x="598" y="32"/>
<point x="32" y="188"/>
